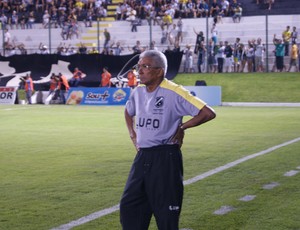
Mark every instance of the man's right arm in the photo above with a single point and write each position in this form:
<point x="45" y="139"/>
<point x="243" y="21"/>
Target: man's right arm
<point x="130" y="126"/>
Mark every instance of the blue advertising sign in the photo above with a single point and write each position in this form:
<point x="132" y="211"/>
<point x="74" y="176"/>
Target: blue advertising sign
<point x="98" y="96"/>
<point x="212" y="95"/>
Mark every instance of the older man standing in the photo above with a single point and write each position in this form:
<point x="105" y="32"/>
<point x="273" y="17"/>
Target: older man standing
<point x="154" y="117"/>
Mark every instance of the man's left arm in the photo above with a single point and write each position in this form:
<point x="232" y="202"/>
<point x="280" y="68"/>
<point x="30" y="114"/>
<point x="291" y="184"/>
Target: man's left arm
<point x="205" y="114"/>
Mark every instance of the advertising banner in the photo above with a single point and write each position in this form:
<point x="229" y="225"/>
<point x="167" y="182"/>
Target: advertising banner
<point x="8" y="95"/>
<point x="212" y="95"/>
<point x="98" y="96"/>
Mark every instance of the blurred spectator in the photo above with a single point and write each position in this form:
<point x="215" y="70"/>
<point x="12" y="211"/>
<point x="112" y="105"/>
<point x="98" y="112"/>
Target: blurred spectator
<point x="270" y="3"/>
<point x="82" y="48"/>
<point x="88" y="21"/>
<point x="228" y="52"/>
<point x="65" y="31"/>
<point x="294" y="35"/>
<point x="43" y="49"/>
<point x="53" y="83"/>
<point x="191" y="11"/>
<point x="132" y="78"/>
<point x="101" y="12"/>
<point x="212" y="64"/>
<point x="46" y="19"/>
<point x="31" y="20"/>
<point x="23" y="21"/>
<point x="118" y="12"/>
<point x="202" y="8"/>
<point x="294" y="57"/>
<point x="4" y="21"/>
<point x="188" y="61"/>
<point x="279" y="53"/>
<point x="166" y="20"/>
<point x="153" y="46"/>
<point x="236" y="57"/>
<point x="105" y="78"/>
<point x="219" y="51"/>
<point x="39" y="5"/>
<point x="93" y="51"/>
<point x="131" y="14"/>
<point x="22" y="48"/>
<point x="29" y="88"/>
<point x="78" y="6"/>
<point x="77" y="77"/>
<point x="199" y="38"/>
<point x="232" y="7"/>
<point x="259" y="56"/>
<point x="7" y="38"/>
<point x="164" y="35"/>
<point x="286" y="36"/>
<point x="63" y="87"/>
<point x="10" y="50"/>
<point x="173" y="34"/>
<point x="214" y="34"/>
<point x="250" y="56"/>
<point x="71" y="51"/>
<point x="237" y="15"/>
<point x="137" y="48"/>
<point x="242" y="58"/>
<point x="117" y="49"/>
<point x="214" y="9"/>
<point x="54" y="17"/>
<point x="201" y="50"/>
<point x="151" y="16"/>
<point x="13" y="20"/>
<point x="73" y="29"/>
<point x="106" y="38"/>
<point x="225" y="7"/>
<point x="179" y="30"/>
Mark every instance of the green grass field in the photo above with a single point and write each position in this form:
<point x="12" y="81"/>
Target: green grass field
<point x="61" y="163"/>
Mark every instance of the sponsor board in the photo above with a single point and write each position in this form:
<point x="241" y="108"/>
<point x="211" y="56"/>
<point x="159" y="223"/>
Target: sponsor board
<point x="98" y="96"/>
<point x="8" y="95"/>
<point x="212" y="95"/>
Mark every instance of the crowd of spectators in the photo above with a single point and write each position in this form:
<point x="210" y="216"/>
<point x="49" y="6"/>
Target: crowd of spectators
<point x="222" y="56"/>
<point x="23" y="14"/>
<point x="65" y="14"/>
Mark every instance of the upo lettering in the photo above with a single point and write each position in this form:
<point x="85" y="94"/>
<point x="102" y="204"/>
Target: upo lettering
<point x="148" y="123"/>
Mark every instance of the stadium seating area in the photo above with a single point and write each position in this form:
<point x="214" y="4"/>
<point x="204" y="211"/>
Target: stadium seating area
<point x="252" y="26"/>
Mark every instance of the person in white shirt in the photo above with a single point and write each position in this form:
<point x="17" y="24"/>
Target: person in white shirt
<point x="259" y="56"/>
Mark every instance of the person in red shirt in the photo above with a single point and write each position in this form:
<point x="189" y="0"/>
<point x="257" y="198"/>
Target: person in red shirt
<point x="28" y="87"/>
<point x="105" y="78"/>
<point x="131" y="76"/>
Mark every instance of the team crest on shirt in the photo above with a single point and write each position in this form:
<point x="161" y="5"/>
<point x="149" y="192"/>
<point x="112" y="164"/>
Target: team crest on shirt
<point x="159" y="102"/>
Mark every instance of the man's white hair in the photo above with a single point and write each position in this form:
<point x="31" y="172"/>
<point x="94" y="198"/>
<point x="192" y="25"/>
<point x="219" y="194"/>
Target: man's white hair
<point x="158" y="58"/>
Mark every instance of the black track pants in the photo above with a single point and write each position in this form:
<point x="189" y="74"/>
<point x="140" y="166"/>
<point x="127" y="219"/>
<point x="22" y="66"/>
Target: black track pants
<point x="154" y="186"/>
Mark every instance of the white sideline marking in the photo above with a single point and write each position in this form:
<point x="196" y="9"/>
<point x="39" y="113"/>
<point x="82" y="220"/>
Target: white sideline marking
<point x="291" y="173"/>
<point x="88" y="218"/>
<point x="115" y="208"/>
<point x="247" y="198"/>
<point x="271" y="185"/>
<point x="224" y="210"/>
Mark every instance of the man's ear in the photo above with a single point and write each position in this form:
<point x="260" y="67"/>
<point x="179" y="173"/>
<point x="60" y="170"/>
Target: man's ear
<point x="162" y="71"/>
